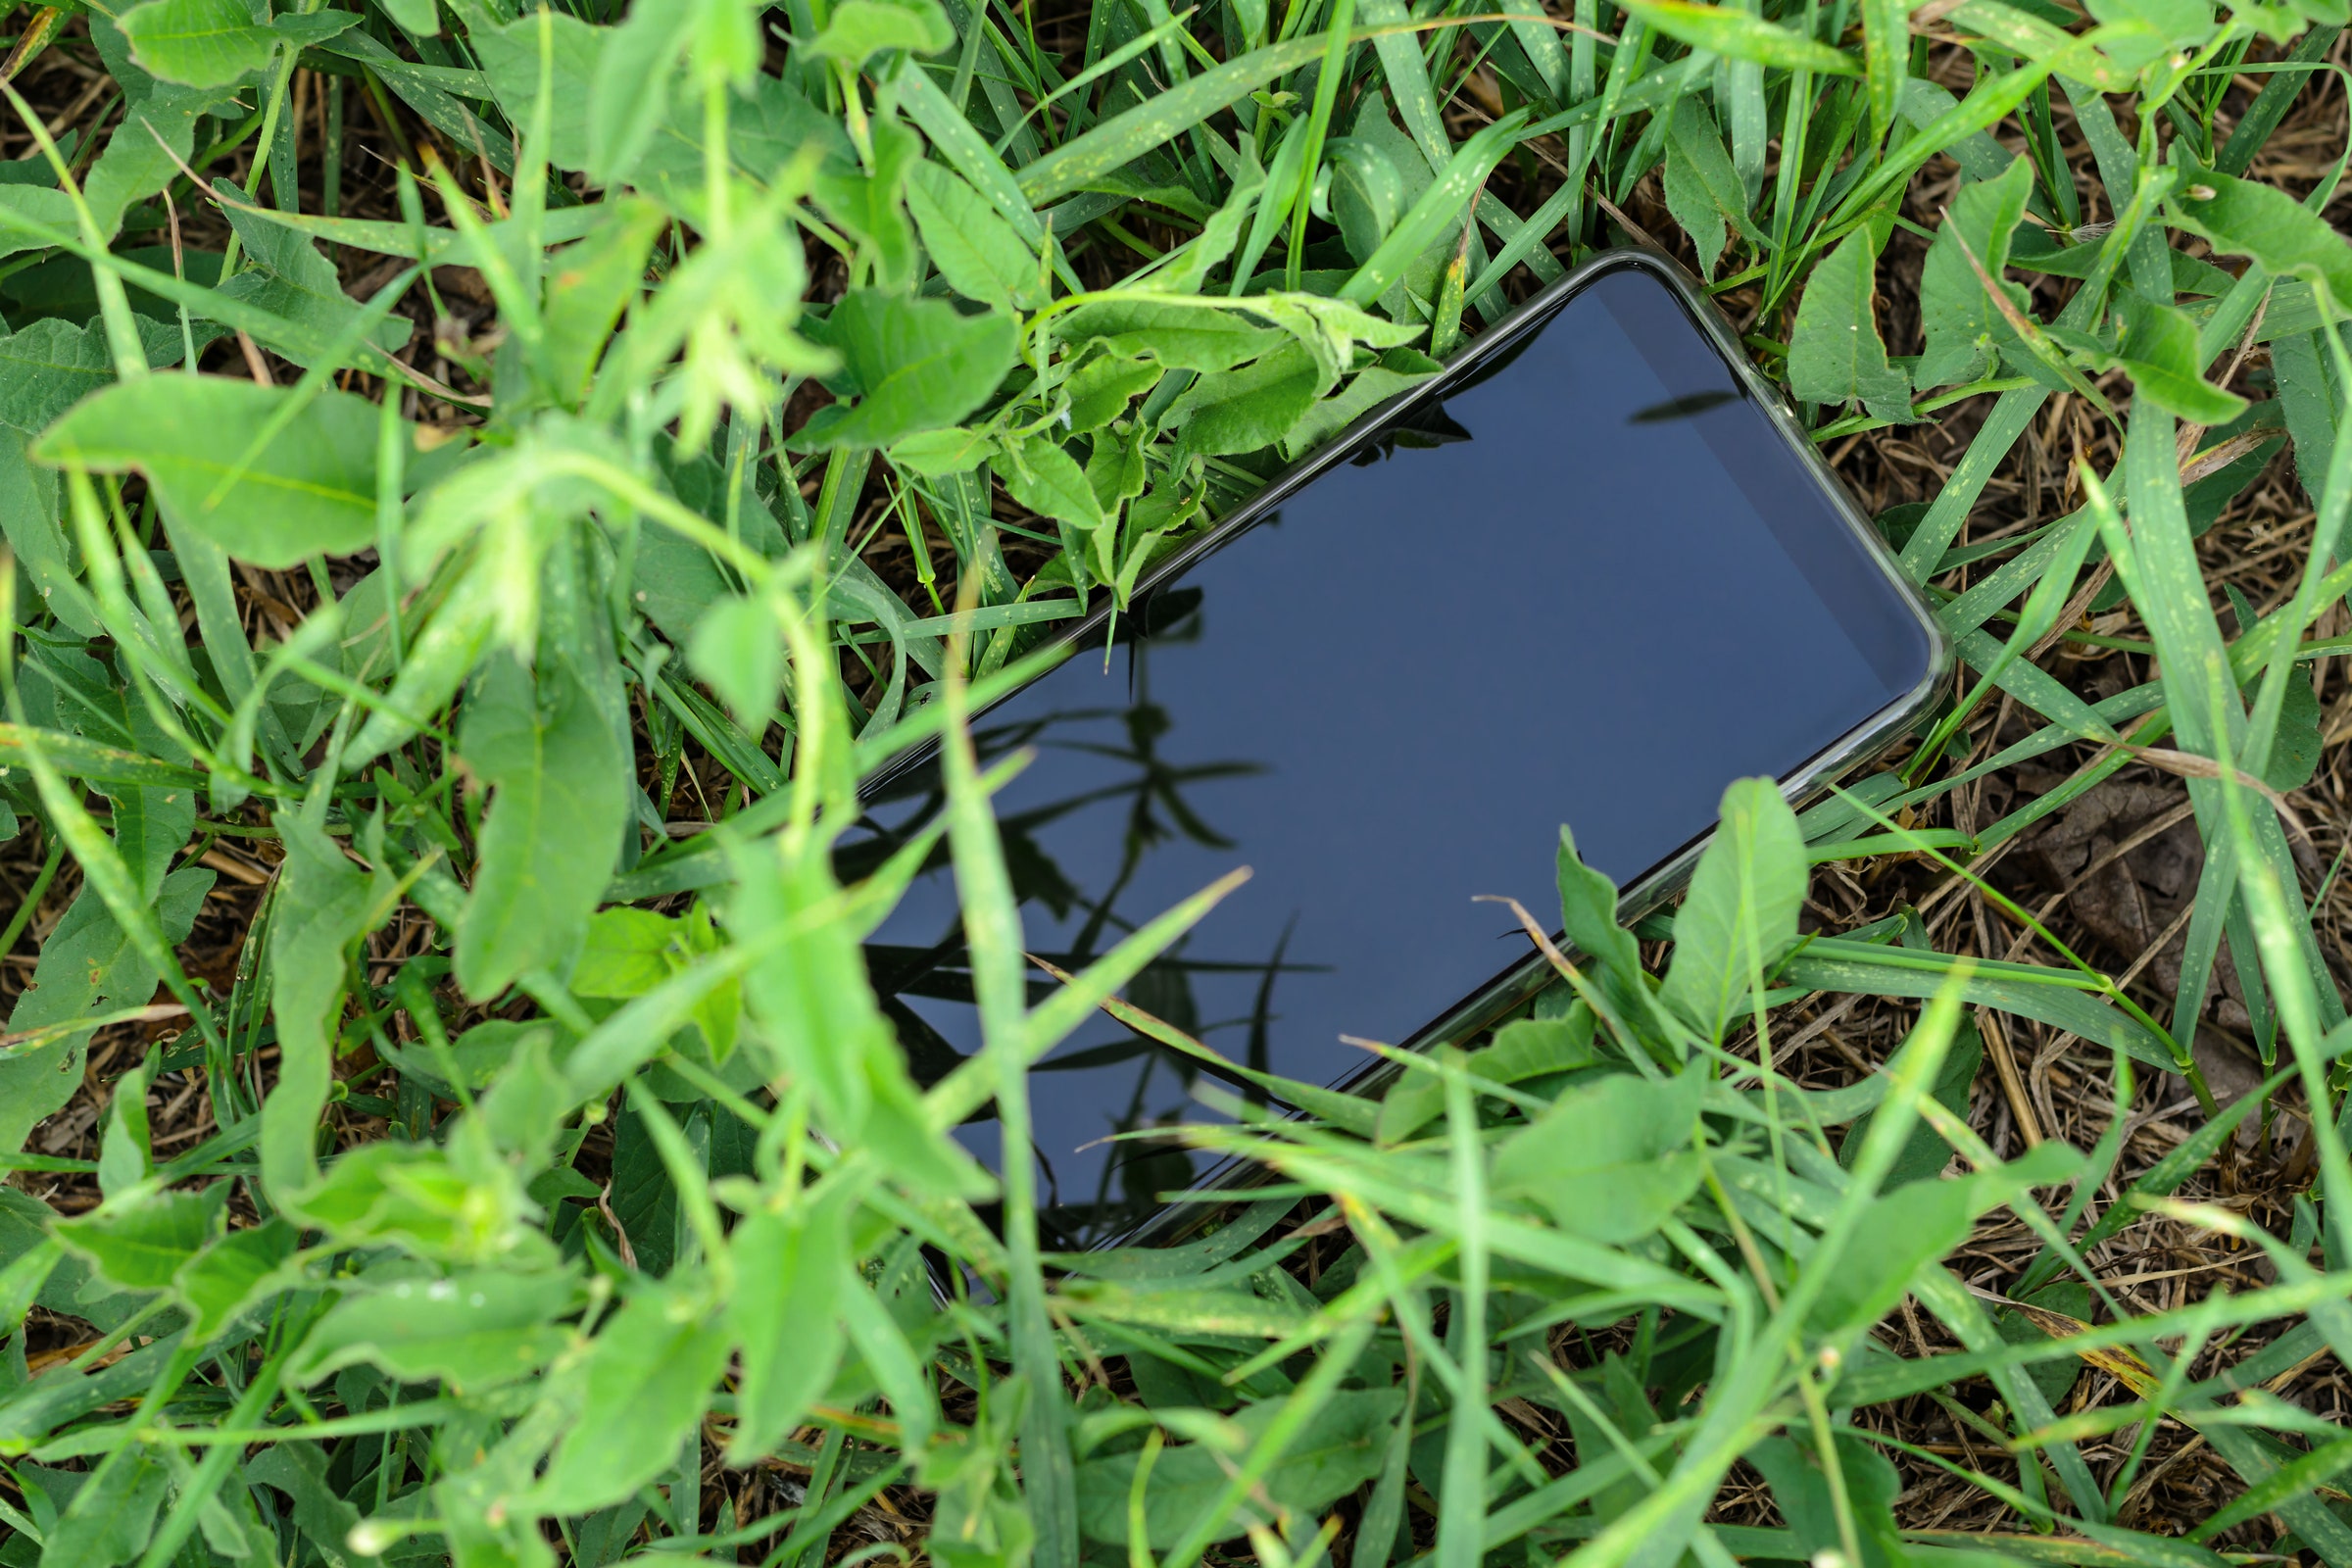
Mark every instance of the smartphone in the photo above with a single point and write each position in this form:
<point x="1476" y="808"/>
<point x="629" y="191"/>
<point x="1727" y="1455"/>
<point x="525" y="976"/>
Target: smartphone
<point x="1590" y="573"/>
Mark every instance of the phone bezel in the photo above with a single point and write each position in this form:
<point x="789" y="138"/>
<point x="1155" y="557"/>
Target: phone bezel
<point x="1516" y="986"/>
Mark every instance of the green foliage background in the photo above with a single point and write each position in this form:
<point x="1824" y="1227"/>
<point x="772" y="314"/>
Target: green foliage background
<point x="380" y="1312"/>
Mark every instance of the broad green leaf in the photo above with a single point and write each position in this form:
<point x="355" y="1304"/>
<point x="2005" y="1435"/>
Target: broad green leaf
<point x="142" y="1246"/>
<point x="766" y="130"/>
<point x="979" y="254"/>
<point x="2137" y="33"/>
<point x="158" y="130"/>
<point x="50" y="364"/>
<point x="1704" y="191"/>
<point x="308" y="491"/>
<point x="126" y="1155"/>
<point x="1963" y="330"/>
<point x="1367" y="193"/>
<point x="1588" y="920"/>
<point x="1924" y="1153"/>
<point x="1340" y="1449"/>
<point x="235" y="1271"/>
<point x="820" y="1024"/>
<point x="31" y="516"/>
<point x="2285" y="238"/>
<point x="938" y="453"/>
<point x="2295" y="751"/>
<point x="1909" y="1227"/>
<point x="1190" y="336"/>
<point x="23" y="1277"/>
<point x="1395" y="372"/>
<point x="790" y="1269"/>
<point x="198" y="43"/>
<point x="1610" y="1161"/>
<point x="1100" y="390"/>
<point x="420" y="18"/>
<point x="37" y="204"/>
<point x="299" y="1470"/>
<point x="1255" y="406"/>
<point x="323" y="906"/>
<point x="1819" y="1510"/>
<point x="1048" y="481"/>
<point x="511" y="58"/>
<point x="1837" y="355"/>
<point x="475" y="1328"/>
<point x="628" y="94"/>
<point x="867" y="203"/>
<point x="910" y="365"/>
<point x="1116" y="473"/>
<point x="288" y="277"/>
<point x="857" y="29"/>
<point x="738" y="653"/>
<point x="648" y="1374"/>
<point x="1523" y="1049"/>
<point x="589" y="283"/>
<point x="558" y="801"/>
<point x="1739" y="915"/>
<point x="2159" y="351"/>
<point x="112" y="1516"/>
<point x="460" y="1210"/>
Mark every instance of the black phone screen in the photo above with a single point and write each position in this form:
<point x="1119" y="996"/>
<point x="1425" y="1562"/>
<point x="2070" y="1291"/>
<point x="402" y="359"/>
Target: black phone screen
<point x="1593" y="586"/>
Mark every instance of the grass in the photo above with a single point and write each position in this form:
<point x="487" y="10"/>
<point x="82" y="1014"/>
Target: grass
<point x="584" y="448"/>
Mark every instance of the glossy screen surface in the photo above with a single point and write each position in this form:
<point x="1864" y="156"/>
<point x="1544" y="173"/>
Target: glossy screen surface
<point x="1593" y="588"/>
